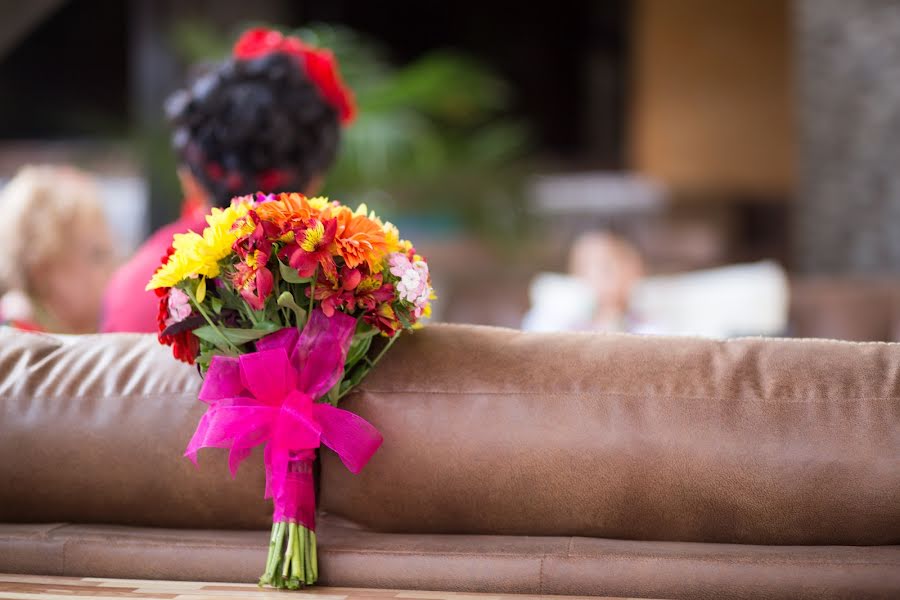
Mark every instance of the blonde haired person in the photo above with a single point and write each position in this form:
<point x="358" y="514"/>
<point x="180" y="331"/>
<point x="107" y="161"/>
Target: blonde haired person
<point x="56" y="248"/>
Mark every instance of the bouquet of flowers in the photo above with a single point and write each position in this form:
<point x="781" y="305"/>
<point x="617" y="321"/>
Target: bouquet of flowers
<point x="285" y="303"/>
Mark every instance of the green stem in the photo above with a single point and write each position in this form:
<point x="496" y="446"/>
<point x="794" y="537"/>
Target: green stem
<point x="305" y="554"/>
<point x="288" y="553"/>
<point x="312" y="290"/>
<point x="302" y="557"/>
<point x="209" y="320"/>
<point x="296" y="291"/>
<point x="374" y="362"/>
<point x="267" y="575"/>
<point x="270" y="577"/>
<point x="313" y="558"/>
<point x="385" y="349"/>
<point x="296" y="559"/>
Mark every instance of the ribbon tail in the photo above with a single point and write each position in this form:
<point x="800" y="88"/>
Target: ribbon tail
<point x="276" y="461"/>
<point x="236" y="427"/>
<point x="236" y="456"/>
<point x="352" y="438"/>
<point x="197" y="440"/>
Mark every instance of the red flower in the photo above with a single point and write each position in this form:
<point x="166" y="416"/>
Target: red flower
<point x="185" y="345"/>
<point x="319" y="64"/>
<point x="384" y="319"/>
<point x="255" y="283"/>
<point x="312" y="247"/>
<point x="258" y="242"/>
<point x="337" y="292"/>
<point x="372" y="291"/>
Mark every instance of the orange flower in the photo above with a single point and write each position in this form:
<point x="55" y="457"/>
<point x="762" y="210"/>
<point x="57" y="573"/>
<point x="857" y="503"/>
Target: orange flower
<point x="287" y="211"/>
<point x="358" y="238"/>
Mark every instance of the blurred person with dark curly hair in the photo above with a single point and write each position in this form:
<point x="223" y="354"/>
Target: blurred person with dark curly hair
<point x="268" y="120"/>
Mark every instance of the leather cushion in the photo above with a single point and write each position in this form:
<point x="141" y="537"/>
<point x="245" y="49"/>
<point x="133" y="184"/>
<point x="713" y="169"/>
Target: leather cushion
<point x="93" y="428"/>
<point x="756" y="441"/>
<point x="534" y="565"/>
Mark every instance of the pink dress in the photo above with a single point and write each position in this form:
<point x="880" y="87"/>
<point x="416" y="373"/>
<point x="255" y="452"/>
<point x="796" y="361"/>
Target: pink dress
<point x="126" y="305"/>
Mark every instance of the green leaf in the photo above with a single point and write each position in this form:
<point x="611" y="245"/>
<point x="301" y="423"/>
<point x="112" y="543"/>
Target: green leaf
<point x="358" y="349"/>
<point x="286" y="300"/>
<point x="403" y="317"/>
<point x="332" y="396"/>
<point x="205" y="357"/>
<point x="354" y="379"/>
<point x="290" y="274"/>
<point x="363" y="329"/>
<point x="234" y="335"/>
<point x="229" y="298"/>
<point x="216" y="304"/>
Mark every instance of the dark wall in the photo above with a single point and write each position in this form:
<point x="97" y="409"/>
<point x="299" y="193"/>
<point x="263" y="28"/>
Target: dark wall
<point x="565" y="60"/>
<point x="68" y="78"/>
<point x="102" y="68"/>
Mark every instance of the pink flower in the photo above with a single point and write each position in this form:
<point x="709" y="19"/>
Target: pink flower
<point x="413" y="285"/>
<point x="179" y="307"/>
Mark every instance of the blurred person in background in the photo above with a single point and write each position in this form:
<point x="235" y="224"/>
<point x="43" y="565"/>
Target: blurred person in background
<point x="611" y="267"/>
<point x="57" y="251"/>
<point x="607" y="289"/>
<point x="596" y="292"/>
<point x="268" y="119"/>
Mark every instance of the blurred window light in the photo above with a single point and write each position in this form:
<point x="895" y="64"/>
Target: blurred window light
<point x="597" y="194"/>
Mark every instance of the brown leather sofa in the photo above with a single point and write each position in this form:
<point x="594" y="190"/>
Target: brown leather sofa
<point x="846" y="308"/>
<point x="535" y="463"/>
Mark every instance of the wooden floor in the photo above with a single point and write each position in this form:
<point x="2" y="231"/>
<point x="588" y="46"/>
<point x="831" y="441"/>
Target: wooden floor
<point x="31" y="587"/>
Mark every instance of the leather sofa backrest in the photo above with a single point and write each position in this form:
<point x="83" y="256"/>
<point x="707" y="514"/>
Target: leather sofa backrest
<point x="488" y="431"/>
<point x="92" y="430"/>
<point x="757" y="441"/>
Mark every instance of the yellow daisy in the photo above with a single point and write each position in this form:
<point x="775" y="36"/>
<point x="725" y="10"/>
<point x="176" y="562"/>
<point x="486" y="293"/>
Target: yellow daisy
<point x="199" y="255"/>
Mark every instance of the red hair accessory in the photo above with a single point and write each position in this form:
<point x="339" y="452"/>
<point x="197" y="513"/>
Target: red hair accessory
<point x="319" y="64"/>
<point x="271" y="180"/>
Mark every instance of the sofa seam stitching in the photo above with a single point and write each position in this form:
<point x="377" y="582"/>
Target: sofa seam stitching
<point x="728" y="560"/>
<point x="787" y="560"/>
<point x="321" y="550"/>
<point x="605" y="556"/>
<point x="46" y="534"/>
<point x="622" y="395"/>
<point x="155" y="395"/>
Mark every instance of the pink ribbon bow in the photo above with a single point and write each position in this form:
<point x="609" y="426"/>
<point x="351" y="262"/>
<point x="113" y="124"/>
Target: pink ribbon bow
<point x="269" y="397"/>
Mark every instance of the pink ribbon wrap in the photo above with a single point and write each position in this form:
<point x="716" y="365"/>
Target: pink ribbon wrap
<point x="269" y="397"/>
